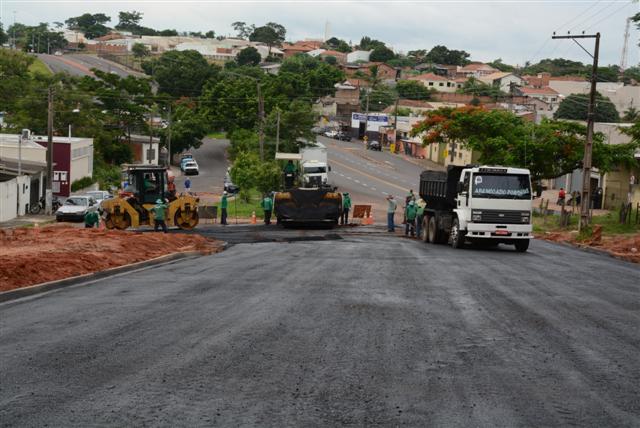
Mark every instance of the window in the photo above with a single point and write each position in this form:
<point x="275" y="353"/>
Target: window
<point x="441" y="84"/>
<point x="448" y="84"/>
<point x="430" y="83"/>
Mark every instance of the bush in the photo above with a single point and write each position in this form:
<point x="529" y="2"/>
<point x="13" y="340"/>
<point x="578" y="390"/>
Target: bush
<point x="107" y="175"/>
<point x="82" y="183"/>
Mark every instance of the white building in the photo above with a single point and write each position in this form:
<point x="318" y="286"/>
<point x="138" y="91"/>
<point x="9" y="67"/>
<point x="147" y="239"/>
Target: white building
<point x="439" y="83"/>
<point x="620" y="95"/>
<point x="501" y="80"/>
<point x="356" y="56"/>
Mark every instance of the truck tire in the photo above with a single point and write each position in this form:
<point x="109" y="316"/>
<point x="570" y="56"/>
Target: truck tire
<point x="424" y="230"/>
<point x="522" y="245"/>
<point x="432" y="231"/>
<point x="457" y="236"/>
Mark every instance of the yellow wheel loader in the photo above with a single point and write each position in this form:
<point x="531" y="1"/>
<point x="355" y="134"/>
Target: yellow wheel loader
<point x="144" y="184"/>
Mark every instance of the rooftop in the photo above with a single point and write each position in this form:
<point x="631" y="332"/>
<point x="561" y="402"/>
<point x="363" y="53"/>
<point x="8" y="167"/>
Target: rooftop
<point x="428" y="76"/>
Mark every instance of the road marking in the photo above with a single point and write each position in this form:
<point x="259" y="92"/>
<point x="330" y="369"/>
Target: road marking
<point x="349" y="178"/>
<point x="384" y="193"/>
<point x="374" y="189"/>
<point x="357" y="181"/>
<point x="365" y="184"/>
<point x="371" y="176"/>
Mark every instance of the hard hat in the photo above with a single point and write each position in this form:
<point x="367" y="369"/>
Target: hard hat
<point x="159" y="201"/>
<point x="224" y="193"/>
<point x="411" y="203"/>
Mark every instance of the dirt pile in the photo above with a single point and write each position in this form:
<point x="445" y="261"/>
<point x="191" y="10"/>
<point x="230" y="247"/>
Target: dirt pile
<point x="626" y="247"/>
<point x="33" y="256"/>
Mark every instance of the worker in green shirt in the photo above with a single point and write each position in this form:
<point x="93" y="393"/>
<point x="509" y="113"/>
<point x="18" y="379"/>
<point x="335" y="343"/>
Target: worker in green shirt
<point x="223" y="208"/>
<point x="346" y="206"/>
<point x="159" y="214"/>
<point x="91" y="219"/>
<point x="421" y="204"/>
<point x="267" y="206"/>
<point x="289" y="174"/>
<point x="411" y="212"/>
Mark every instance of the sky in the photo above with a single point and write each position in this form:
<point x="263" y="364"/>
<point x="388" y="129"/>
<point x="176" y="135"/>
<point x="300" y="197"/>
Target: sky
<point x="514" y="30"/>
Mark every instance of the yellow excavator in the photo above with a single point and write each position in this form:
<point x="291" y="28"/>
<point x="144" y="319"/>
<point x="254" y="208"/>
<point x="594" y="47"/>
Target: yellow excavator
<point x="144" y="184"/>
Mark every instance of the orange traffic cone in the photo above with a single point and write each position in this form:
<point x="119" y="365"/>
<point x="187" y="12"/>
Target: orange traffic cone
<point x="370" y="220"/>
<point x="253" y="218"/>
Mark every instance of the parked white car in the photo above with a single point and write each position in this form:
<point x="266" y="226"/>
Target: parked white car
<point x="191" y="168"/>
<point x="75" y="207"/>
<point x="99" y="195"/>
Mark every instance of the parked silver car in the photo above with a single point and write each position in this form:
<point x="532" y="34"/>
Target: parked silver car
<point x="75" y="207"/>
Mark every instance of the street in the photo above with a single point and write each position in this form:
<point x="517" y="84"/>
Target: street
<point x="212" y="165"/>
<point x="81" y="65"/>
<point x="337" y="327"/>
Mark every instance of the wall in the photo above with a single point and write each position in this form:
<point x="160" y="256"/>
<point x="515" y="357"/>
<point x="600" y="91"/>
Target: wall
<point x="621" y="96"/>
<point x="8" y="199"/>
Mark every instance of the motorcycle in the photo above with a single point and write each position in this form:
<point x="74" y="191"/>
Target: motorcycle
<point x="36" y="208"/>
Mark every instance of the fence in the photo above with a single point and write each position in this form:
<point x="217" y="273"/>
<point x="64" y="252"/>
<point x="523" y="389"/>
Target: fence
<point x="125" y="59"/>
<point x="626" y="213"/>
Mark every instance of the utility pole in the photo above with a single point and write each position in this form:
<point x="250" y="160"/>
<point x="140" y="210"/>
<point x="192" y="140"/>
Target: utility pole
<point x="585" y="203"/>
<point x="49" y="189"/>
<point x="366" y="117"/>
<point x="169" y="137"/>
<point x="260" y="120"/>
<point x="278" y="130"/>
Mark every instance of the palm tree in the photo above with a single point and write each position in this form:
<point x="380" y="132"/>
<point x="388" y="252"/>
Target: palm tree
<point x="631" y="115"/>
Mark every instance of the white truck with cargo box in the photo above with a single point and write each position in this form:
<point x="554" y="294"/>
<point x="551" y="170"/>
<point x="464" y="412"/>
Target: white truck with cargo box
<point x="479" y="204"/>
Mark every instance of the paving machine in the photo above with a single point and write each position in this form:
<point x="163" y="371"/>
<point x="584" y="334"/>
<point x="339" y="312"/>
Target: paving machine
<point x="143" y="186"/>
<point x="312" y="199"/>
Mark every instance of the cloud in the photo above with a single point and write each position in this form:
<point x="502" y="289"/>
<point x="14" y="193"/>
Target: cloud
<point x="515" y="31"/>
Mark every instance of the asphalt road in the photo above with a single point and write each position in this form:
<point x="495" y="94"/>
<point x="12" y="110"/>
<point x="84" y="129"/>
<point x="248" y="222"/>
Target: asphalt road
<point x="369" y="329"/>
<point x="212" y="164"/>
<point x="81" y="65"/>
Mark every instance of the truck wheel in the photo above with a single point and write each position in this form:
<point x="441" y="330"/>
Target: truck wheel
<point x="433" y="231"/>
<point x="522" y="245"/>
<point x="457" y="236"/>
<point x="424" y="230"/>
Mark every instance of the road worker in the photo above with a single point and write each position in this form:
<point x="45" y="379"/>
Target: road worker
<point x="159" y="215"/>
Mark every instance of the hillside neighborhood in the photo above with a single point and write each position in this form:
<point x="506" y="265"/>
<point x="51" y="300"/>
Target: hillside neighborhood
<point x="251" y="224"/>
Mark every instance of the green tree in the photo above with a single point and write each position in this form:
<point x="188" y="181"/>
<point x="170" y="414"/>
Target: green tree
<point x="367" y="43"/>
<point x="636" y="18"/>
<point x="296" y="122"/>
<point x="631" y="73"/>
<point x="139" y="50"/>
<point x="549" y="150"/>
<point x="92" y="25"/>
<point x="271" y="34"/>
<point x="418" y="55"/>
<point x="499" y="65"/>
<point x="188" y="128"/>
<point x="380" y="98"/>
<point x="244" y="172"/>
<point x="39" y="39"/>
<point x="558" y="67"/>
<point x="575" y="107"/>
<point x="168" y="33"/>
<point x="412" y="90"/>
<point x="4" y="38"/>
<point x="181" y="73"/>
<point x="442" y="55"/>
<point x="338" y="45"/>
<point x="248" y="56"/>
<point x="382" y="54"/>
<point x="330" y="59"/>
<point x="210" y="34"/>
<point x="242" y="29"/>
<point x="129" y="21"/>
<point x="477" y="88"/>
<point x="268" y="177"/>
<point x="16" y="80"/>
<point x="631" y="115"/>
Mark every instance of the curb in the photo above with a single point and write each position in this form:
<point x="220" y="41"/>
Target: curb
<point x="31" y="290"/>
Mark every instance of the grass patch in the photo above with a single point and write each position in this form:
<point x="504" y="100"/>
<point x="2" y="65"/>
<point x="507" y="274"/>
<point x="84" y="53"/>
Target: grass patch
<point x="218" y="135"/>
<point x="609" y="222"/>
<point x="38" y="67"/>
<point x="244" y="209"/>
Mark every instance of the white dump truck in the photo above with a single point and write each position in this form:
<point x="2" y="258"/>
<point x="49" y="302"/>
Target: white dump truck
<point x="477" y="204"/>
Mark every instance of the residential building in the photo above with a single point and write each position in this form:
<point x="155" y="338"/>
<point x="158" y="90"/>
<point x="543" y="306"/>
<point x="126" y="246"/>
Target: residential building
<point x="341" y="57"/>
<point x="439" y="83"/>
<point x="22" y="184"/>
<point x="299" y="47"/>
<point x="385" y="72"/>
<point x="475" y="69"/>
<point x="622" y="96"/>
<point x="72" y="157"/>
<point x="358" y="56"/>
<point x="501" y="80"/>
<point x="548" y="95"/>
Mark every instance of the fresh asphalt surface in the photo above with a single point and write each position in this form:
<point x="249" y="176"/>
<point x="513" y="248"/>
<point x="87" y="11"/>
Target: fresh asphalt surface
<point x="81" y="65"/>
<point x="333" y="327"/>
